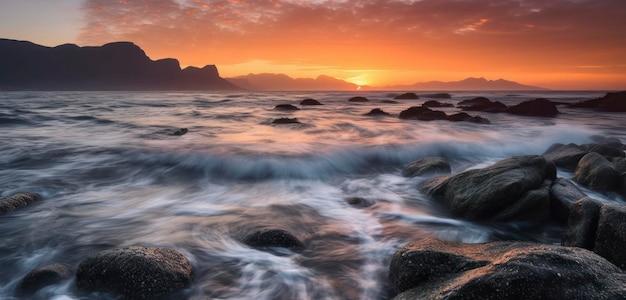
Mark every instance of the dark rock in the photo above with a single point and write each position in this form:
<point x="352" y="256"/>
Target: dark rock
<point x="264" y="238"/>
<point x="359" y="202"/>
<point x="407" y="96"/>
<point x="286" y="121"/>
<point x="16" y="201"/>
<point x="43" y="276"/>
<point x="607" y="151"/>
<point x="619" y="163"/>
<point x="608" y="141"/>
<point x="437" y="96"/>
<point x="434" y="269"/>
<point x="595" y="172"/>
<point x="358" y="99"/>
<point x="135" y="272"/>
<point x="612" y="102"/>
<point x="434" y="103"/>
<point x="537" y="108"/>
<point x="511" y="189"/>
<point x="482" y="104"/>
<point x="565" y="156"/>
<point x="427" y="166"/>
<point x="310" y="102"/>
<point x="582" y="224"/>
<point x="611" y="234"/>
<point x="563" y="195"/>
<point x="478" y="101"/>
<point x="286" y="107"/>
<point x="422" y="114"/>
<point x="181" y="131"/>
<point x="377" y="112"/>
<point x="464" y="117"/>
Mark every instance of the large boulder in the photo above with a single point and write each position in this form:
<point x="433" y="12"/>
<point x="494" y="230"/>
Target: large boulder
<point x="516" y="188"/>
<point x="435" y="269"/>
<point x="264" y="238"/>
<point x="407" y="96"/>
<point x="43" y="276"/>
<point x="15" y="201"/>
<point x="596" y="172"/>
<point x="606" y="150"/>
<point x="582" y="224"/>
<point x="427" y="166"/>
<point x="537" y="108"/>
<point x="610" y="240"/>
<point x="563" y="195"/>
<point x="135" y="272"/>
<point x="565" y="156"/>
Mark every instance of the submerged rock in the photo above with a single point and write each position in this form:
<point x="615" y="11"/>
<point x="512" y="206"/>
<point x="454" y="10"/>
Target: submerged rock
<point x="516" y="188"/>
<point x="407" y="96"/>
<point x="359" y="202"/>
<point x="286" y="107"/>
<point x="272" y="238"/>
<point x="15" y="201"/>
<point x="377" y="112"/>
<point x="286" y="121"/>
<point x="427" y="166"/>
<point x="537" y="108"/>
<point x="358" y="99"/>
<point x="435" y="269"/>
<point x="43" y="276"/>
<point x="181" y="131"/>
<point x="135" y="272"/>
<point x="594" y="171"/>
<point x="310" y="102"/>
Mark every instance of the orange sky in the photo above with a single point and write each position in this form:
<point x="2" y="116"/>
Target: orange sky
<point x="558" y="44"/>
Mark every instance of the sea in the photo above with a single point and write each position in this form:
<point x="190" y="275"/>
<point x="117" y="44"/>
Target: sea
<point x="112" y="174"/>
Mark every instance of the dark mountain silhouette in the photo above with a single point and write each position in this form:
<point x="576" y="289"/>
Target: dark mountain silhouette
<point x="468" y="84"/>
<point x="114" y="66"/>
<point x="282" y="82"/>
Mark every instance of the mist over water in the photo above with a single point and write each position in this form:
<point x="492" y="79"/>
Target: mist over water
<point x="112" y="175"/>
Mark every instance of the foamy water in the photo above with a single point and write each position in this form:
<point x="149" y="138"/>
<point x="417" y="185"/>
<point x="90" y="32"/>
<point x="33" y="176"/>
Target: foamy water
<point x="112" y="175"/>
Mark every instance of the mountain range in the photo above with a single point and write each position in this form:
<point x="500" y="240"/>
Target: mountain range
<point x="468" y="84"/>
<point x="282" y="82"/>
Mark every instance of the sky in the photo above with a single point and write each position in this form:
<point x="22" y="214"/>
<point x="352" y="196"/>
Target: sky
<point x="557" y="44"/>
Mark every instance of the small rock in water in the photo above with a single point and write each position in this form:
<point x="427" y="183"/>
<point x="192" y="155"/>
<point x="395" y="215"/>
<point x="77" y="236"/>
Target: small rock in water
<point x="181" y="131"/>
<point x="407" y="96"/>
<point x="437" y="96"/>
<point x="273" y="238"/>
<point x="358" y="99"/>
<point x="43" y="276"/>
<point x="377" y="112"/>
<point x="427" y="166"/>
<point x="15" y="201"/>
<point x="359" y="202"/>
<point x="434" y="103"/>
<point x="310" y="102"/>
<point x="537" y="108"/>
<point x="286" y="107"/>
<point x="286" y="121"/>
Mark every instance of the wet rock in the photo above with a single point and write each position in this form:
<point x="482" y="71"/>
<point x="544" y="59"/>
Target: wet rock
<point x="619" y="163"/>
<point x="359" y="202"/>
<point x="563" y="195"/>
<point x="437" y="96"/>
<point x="435" y="269"/>
<point x="15" y="201"/>
<point x="565" y="156"/>
<point x="537" y="108"/>
<point x="434" y="103"/>
<point x="310" y="102"/>
<point x="464" y="117"/>
<point x="272" y="238"/>
<point x="482" y="104"/>
<point x="612" y="102"/>
<point x="135" y="272"/>
<point x="407" y="96"/>
<point x="358" y="99"/>
<point x="427" y="166"/>
<point x="594" y="171"/>
<point x="611" y="234"/>
<point x="43" y="276"/>
<point x="286" y="121"/>
<point x="180" y="131"/>
<point x="516" y="188"/>
<point x="287" y="107"/>
<point x="377" y="112"/>
<point x="422" y="114"/>
<point x="607" y="151"/>
<point x="608" y="141"/>
<point x="582" y="224"/>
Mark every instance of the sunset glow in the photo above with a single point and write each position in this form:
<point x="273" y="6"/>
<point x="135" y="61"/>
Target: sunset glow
<point x="558" y="44"/>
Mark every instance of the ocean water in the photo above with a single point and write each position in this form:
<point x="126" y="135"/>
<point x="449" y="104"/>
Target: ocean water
<point x="112" y="175"/>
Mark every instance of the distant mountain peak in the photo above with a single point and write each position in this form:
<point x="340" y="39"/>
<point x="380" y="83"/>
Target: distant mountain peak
<point x="467" y="84"/>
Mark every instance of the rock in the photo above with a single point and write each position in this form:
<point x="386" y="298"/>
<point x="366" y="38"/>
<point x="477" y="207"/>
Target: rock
<point x="511" y="189"/>
<point x="422" y="114"/>
<point x="607" y="151"/>
<point x="377" y="112"/>
<point x="594" y="171"/>
<point x="427" y="166"/>
<point x="619" y="163"/>
<point x="407" y="96"/>
<point x="565" y="156"/>
<point x="272" y="238"/>
<point x="15" y="201"/>
<point x="611" y="234"/>
<point x="611" y="102"/>
<point x="389" y="101"/>
<point x="482" y="104"/>
<point x="135" y="272"/>
<point x="608" y="141"/>
<point x="181" y="131"/>
<point x="582" y="224"/>
<point x="358" y="99"/>
<point x="537" y="108"/>
<point x="464" y="117"/>
<point x="563" y="195"/>
<point x="435" y="269"/>
<point x="433" y="103"/>
<point x="286" y="121"/>
<point x="310" y="102"/>
<point x="43" y="276"/>
<point x="437" y="96"/>
<point x="285" y="107"/>
<point x="359" y="202"/>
